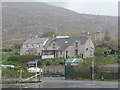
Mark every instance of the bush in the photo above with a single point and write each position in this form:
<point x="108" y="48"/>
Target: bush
<point x="12" y="73"/>
<point x="23" y="58"/>
<point x="7" y="50"/>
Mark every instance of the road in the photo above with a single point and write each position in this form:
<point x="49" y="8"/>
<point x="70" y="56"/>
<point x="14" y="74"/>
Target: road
<point x="54" y="82"/>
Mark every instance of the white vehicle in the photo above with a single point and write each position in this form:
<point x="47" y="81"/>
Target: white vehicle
<point x="33" y="69"/>
<point x="8" y="66"/>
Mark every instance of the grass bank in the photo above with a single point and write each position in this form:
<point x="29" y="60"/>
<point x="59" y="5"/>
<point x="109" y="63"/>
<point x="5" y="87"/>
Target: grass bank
<point x="113" y="80"/>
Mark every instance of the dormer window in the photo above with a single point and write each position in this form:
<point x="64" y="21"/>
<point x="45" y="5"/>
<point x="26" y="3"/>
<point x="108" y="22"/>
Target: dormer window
<point x="26" y="46"/>
<point x="53" y="45"/>
<point x="37" y="46"/>
<point x="66" y="42"/>
<point x="76" y="44"/>
<point x="32" y="45"/>
<point x="60" y="52"/>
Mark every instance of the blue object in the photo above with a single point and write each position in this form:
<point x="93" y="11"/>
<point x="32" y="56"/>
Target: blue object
<point x="73" y="60"/>
<point x="36" y="60"/>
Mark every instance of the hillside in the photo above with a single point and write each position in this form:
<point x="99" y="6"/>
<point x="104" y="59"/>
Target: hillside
<point x="19" y="20"/>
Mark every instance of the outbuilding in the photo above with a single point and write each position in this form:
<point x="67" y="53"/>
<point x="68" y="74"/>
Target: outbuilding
<point x="70" y="64"/>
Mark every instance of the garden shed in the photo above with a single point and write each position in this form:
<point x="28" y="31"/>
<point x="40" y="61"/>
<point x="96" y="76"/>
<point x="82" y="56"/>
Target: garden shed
<point x="69" y="66"/>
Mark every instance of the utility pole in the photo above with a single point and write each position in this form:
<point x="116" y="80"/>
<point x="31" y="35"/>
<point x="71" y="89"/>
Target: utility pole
<point x="92" y="51"/>
<point x="56" y="31"/>
<point x="100" y="35"/>
<point x="36" y="71"/>
<point x="20" y="74"/>
<point x="36" y="60"/>
<point x="95" y="37"/>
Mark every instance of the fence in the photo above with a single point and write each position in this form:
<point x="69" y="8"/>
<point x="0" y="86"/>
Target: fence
<point x="100" y="73"/>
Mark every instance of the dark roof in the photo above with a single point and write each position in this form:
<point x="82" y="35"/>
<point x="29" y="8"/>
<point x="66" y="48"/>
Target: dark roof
<point x="62" y="48"/>
<point x="70" y="40"/>
<point x="35" y="40"/>
<point x="65" y="42"/>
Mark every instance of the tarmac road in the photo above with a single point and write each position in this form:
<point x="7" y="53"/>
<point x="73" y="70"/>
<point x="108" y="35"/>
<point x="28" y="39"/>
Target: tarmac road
<point x="58" y="82"/>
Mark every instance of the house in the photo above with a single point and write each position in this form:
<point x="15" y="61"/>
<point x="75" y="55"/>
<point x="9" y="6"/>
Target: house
<point x="33" y="45"/>
<point x="65" y="47"/>
<point x="59" y="46"/>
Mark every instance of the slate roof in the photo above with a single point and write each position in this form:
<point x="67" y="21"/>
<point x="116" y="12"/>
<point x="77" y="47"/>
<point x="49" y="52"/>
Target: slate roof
<point x="73" y="60"/>
<point x="35" y="40"/>
<point x="65" y="42"/>
<point x="62" y="48"/>
<point x="62" y="42"/>
<point x="70" y="40"/>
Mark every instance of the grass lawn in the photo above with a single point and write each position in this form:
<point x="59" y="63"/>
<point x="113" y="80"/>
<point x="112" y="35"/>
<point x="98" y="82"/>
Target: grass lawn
<point x="6" y="56"/>
<point x="114" y="80"/>
<point x="101" y="60"/>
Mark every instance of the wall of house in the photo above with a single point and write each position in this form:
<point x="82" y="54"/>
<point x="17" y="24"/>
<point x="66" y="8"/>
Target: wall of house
<point x="71" y="51"/>
<point x="26" y="47"/>
<point x="88" y="52"/>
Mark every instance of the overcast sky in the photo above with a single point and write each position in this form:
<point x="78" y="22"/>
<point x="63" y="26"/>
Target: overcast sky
<point x="96" y="7"/>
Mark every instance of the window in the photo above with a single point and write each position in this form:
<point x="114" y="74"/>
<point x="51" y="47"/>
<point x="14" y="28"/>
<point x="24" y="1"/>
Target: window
<point x="37" y="46"/>
<point x="26" y="46"/>
<point x="32" y="45"/>
<point x="76" y="52"/>
<point x="53" y="45"/>
<point x="86" y="49"/>
<point x="76" y="44"/>
<point x="60" y="52"/>
<point x="38" y="53"/>
<point x="66" y="54"/>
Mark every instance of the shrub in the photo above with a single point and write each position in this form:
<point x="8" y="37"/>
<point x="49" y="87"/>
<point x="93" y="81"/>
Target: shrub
<point x="23" y="58"/>
<point x="7" y="50"/>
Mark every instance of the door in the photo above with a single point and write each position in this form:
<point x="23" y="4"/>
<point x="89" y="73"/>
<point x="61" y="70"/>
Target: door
<point x="66" y="54"/>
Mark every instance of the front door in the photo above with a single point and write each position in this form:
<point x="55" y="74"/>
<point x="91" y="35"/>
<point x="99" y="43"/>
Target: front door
<point x="66" y="54"/>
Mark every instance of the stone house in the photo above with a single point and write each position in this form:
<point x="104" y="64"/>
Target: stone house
<point x="33" y="46"/>
<point x="59" y="46"/>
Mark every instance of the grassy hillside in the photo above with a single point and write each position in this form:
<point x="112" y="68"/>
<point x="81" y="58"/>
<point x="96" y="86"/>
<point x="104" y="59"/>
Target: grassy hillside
<point x="19" y="20"/>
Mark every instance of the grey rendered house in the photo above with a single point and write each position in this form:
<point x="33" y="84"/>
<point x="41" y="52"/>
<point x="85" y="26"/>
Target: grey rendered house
<point x="33" y="46"/>
<point x="60" y="46"/>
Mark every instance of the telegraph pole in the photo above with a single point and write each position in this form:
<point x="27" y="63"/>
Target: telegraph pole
<point x="56" y="31"/>
<point x="36" y="68"/>
<point x="92" y="50"/>
<point x="36" y="71"/>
